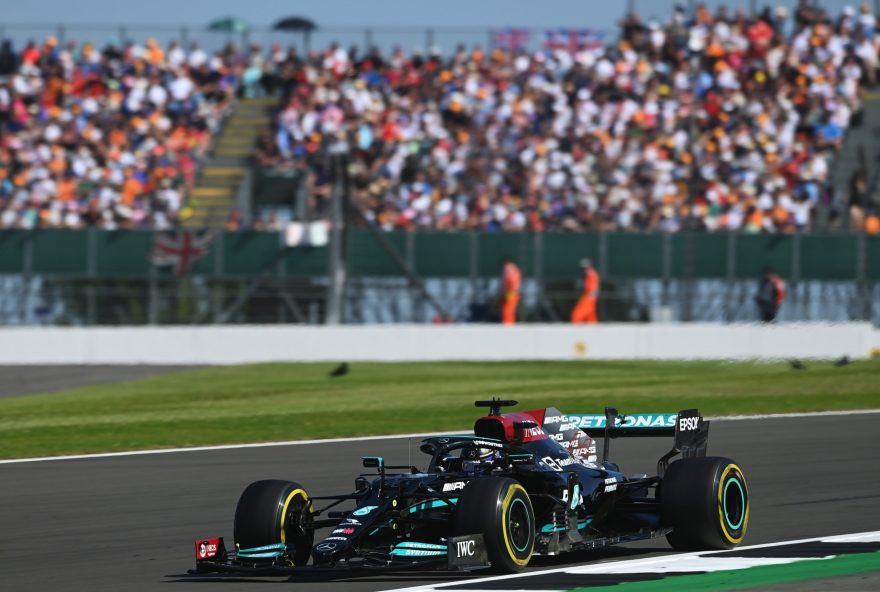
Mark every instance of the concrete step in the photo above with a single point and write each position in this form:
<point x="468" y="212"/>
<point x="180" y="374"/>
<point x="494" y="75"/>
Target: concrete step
<point x="260" y="101"/>
<point x="225" y="184"/>
<point x="251" y="130"/>
<point x="231" y="161"/>
<point x="214" y="200"/>
<point x="236" y="153"/>
<point x="256" y="123"/>
<point x="205" y="214"/>
<point x="223" y="171"/>
<point x="235" y="144"/>
<point x="208" y="191"/>
<point x="234" y="140"/>
<point x="245" y="135"/>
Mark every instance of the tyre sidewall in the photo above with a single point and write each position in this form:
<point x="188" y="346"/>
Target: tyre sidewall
<point x="486" y="507"/>
<point x="271" y="512"/>
<point x="705" y="500"/>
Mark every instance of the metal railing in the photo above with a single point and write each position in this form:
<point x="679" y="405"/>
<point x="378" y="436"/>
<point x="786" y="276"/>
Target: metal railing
<point x="424" y="39"/>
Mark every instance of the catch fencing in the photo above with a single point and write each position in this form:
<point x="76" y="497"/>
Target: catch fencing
<point x="107" y="277"/>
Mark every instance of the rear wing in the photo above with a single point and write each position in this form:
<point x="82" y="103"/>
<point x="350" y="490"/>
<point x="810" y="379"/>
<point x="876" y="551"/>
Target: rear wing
<point x="688" y="428"/>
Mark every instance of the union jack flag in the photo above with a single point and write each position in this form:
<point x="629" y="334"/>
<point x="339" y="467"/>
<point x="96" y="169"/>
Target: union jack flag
<point x="179" y="250"/>
<point x="510" y="39"/>
<point x="572" y="40"/>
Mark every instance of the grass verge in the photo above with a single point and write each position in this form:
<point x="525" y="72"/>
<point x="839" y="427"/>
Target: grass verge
<point x="268" y="402"/>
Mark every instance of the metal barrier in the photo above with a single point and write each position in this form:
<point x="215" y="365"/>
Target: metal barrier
<point x="544" y="256"/>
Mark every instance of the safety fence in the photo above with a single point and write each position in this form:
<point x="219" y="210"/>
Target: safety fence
<point x="545" y="256"/>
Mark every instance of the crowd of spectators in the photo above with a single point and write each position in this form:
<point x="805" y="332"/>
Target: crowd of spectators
<point x="716" y="121"/>
<point x="106" y="137"/>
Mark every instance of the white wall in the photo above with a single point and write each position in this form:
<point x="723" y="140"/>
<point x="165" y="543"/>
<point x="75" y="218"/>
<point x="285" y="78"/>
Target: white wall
<point x="256" y="343"/>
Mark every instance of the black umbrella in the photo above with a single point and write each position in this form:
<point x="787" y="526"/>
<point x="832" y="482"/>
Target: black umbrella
<point x="295" y="23"/>
<point x="298" y="24"/>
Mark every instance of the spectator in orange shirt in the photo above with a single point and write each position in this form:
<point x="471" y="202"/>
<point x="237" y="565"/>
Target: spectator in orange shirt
<point x="511" y="279"/>
<point x="585" y="309"/>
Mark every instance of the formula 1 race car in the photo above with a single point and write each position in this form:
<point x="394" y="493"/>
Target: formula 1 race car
<point x="524" y="484"/>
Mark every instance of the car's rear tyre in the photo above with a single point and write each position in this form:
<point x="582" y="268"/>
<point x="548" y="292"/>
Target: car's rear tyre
<point x="706" y="502"/>
<point x="271" y="512"/>
<point x="500" y="510"/>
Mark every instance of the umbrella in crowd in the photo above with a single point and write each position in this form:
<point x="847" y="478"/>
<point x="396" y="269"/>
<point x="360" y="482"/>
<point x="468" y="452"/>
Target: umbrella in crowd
<point x="230" y="25"/>
<point x="295" y="23"/>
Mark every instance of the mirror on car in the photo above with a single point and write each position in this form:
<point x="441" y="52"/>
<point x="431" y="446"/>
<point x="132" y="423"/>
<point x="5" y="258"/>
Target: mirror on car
<point x="373" y="462"/>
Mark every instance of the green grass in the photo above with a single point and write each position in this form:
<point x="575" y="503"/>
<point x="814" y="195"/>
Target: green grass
<point x="299" y="401"/>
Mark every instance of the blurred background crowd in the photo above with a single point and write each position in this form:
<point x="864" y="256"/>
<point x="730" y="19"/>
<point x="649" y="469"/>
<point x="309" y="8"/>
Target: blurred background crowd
<point x="720" y="121"/>
<point x="106" y="137"/>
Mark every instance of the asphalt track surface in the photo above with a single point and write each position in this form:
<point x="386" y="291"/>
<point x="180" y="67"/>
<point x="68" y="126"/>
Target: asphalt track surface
<point x="26" y="380"/>
<point x="128" y="522"/>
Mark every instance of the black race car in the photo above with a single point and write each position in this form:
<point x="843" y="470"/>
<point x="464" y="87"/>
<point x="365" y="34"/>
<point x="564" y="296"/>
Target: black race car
<point x="528" y="483"/>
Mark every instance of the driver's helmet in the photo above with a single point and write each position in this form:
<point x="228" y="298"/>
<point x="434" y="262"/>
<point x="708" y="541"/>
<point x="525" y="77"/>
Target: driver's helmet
<point x="474" y="459"/>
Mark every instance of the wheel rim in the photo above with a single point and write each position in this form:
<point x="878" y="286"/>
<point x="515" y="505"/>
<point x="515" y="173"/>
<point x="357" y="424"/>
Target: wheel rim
<point x="288" y="511"/>
<point x="519" y="525"/>
<point x="734" y="503"/>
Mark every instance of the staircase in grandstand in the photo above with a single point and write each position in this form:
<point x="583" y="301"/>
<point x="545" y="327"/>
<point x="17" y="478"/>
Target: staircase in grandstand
<point x="860" y="152"/>
<point x="226" y="172"/>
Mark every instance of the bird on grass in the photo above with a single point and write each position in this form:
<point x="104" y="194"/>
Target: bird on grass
<point x="844" y="361"/>
<point x="340" y="370"/>
<point x="797" y="365"/>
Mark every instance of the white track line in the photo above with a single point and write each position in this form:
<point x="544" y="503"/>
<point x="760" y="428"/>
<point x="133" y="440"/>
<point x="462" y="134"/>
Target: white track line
<point x="647" y="562"/>
<point x="386" y="437"/>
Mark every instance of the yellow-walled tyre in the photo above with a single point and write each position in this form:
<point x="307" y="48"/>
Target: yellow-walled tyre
<point x="500" y="510"/>
<point x="706" y="502"/>
<point x="271" y="512"/>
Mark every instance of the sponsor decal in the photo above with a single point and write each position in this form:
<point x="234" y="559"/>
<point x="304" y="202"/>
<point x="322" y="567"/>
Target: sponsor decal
<point x="332" y="538"/>
<point x="486" y="444"/>
<point x="557" y="463"/>
<point x="688" y="424"/>
<point x="326" y="547"/>
<point x="454" y="486"/>
<point x="465" y="548"/>
<point x="533" y="432"/>
<point x="641" y="420"/>
<point x="343" y="531"/>
<point x="555" y="419"/>
<point x="467" y="551"/>
<point x="351" y="521"/>
<point x="207" y="548"/>
<point x="416" y="553"/>
<point x="364" y="511"/>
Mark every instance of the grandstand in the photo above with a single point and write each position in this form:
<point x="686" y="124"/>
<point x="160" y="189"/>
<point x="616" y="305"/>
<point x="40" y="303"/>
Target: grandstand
<point x="755" y="127"/>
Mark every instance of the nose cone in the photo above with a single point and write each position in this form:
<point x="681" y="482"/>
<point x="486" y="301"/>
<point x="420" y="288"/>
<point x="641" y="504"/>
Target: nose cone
<point x="326" y="551"/>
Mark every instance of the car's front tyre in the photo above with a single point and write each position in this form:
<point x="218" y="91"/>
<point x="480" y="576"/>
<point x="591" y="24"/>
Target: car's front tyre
<point x="271" y="512"/>
<point x="500" y="510"/>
